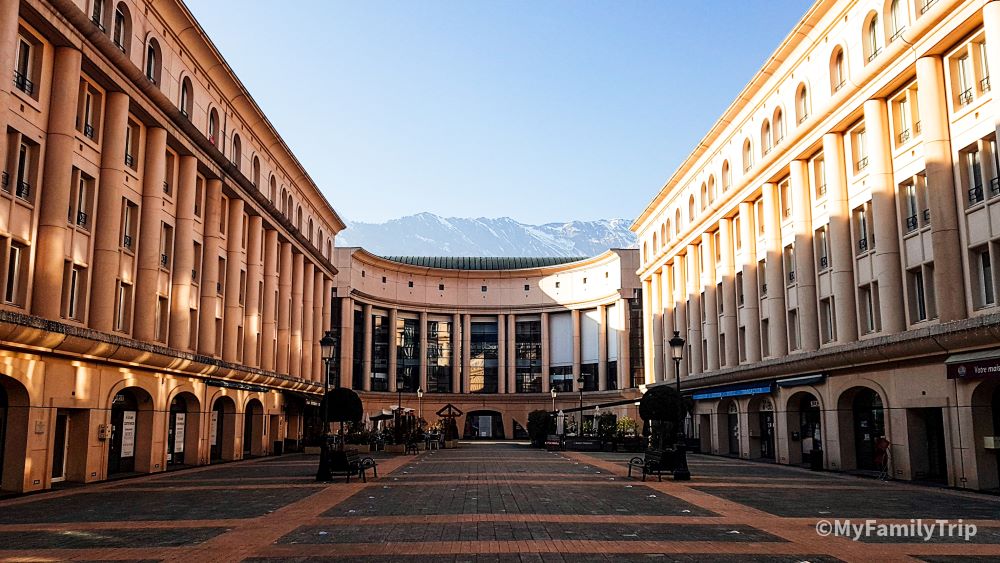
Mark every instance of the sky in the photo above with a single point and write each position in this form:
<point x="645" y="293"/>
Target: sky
<point x="540" y="110"/>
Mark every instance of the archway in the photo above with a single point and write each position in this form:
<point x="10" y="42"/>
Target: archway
<point x="222" y="430"/>
<point x="861" y="428"/>
<point x="487" y="425"/>
<point x="13" y="433"/>
<point x="131" y="434"/>
<point x="803" y="422"/>
<point x="253" y="429"/>
<point x="182" y="430"/>
<point x="986" y="422"/>
<point x="760" y="425"/>
<point x="728" y="413"/>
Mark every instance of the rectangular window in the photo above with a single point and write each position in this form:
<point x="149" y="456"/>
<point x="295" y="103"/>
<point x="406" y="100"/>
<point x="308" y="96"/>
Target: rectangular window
<point x="162" y="318"/>
<point x="765" y="338"/>
<point x="826" y="317"/>
<point x="860" y="150"/>
<point x="81" y="199"/>
<point x="964" y="78"/>
<point x="132" y="145"/>
<point x="439" y="356"/>
<point x="243" y="287"/>
<point x="819" y="176"/>
<point x="118" y="33"/>
<point x="24" y="67"/>
<point x="918" y="303"/>
<point x="760" y="217"/>
<point x="166" y="245"/>
<point x="74" y="291"/>
<point x="742" y="343"/>
<point x="123" y="307"/>
<point x="785" y="199"/>
<point x="484" y="354"/>
<point x="739" y="289"/>
<point x="193" y="336"/>
<point x="130" y="223"/>
<point x="911" y="206"/>
<point x="26" y="164"/>
<point x="528" y="356"/>
<point x="196" y="266"/>
<point x="224" y="215"/>
<point x="17" y="271"/>
<point x="862" y="222"/>
<point x="867" y="303"/>
<point x="380" y="353"/>
<point x="822" y="249"/>
<point x="198" y="195"/>
<point x="974" y="173"/>
<point x="789" y="263"/>
<point x="221" y="285"/>
<point x="793" y="329"/>
<point x="737" y="233"/>
<point x="983" y="293"/>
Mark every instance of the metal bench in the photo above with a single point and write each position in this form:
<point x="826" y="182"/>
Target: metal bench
<point x="655" y="462"/>
<point x="349" y="462"/>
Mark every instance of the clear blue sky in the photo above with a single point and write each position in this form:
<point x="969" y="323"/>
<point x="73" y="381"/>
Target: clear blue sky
<point x="539" y="110"/>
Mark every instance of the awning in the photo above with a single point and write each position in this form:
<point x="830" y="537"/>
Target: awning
<point x="801" y="380"/>
<point x="973" y="364"/>
<point x="309" y="400"/>
<point x="754" y="388"/>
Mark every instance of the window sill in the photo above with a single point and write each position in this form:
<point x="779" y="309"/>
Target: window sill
<point x="26" y="98"/>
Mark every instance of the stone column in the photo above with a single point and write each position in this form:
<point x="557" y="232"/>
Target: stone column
<point x="883" y="189"/>
<point x="285" y="308"/>
<point x="777" y="319"/>
<point x="751" y="295"/>
<point x="575" y="314"/>
<point x="457" y="355"/>
<point x="511" y="354"/>
<point x="322" y="320"/>
<point x="730" y="325"/>
<point x="656" y="302"/>
<point x="184" y="259"/>
<point x="270" y="327"/>
<point x="393" y="351"/>
<point x="501" y="354"/>
<point x="54" y="197"/>
<point x="546" y="386"/>
<point x="466" y="351"/>
<point x="308" y="297"/>
<point x="255" y="277"/>
<point x="711" y="304"/>
<point x="681" y="304"/>
<point x="295" y="330"/>
<point x="366" y="360"/>
<point x="150" y="234"/>
<point x="946" y="240"/>
<point x="208" y="309"/>
<point x="840" y="239"/>
<point x="347" y="350"/>
<point x="234" y="266"/>
<point x="422" y="371"/>
<point x="648" y="350"/>
<point x="108" y="220"/>
<point x="602" y="348"/>
<point x="624" y="348"/>
<point x="805" y="258"/>
<point x="693" y="279"/>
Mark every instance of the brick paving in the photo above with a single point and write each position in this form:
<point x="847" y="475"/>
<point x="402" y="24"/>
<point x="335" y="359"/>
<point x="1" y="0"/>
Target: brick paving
<point x="487" y="503"/>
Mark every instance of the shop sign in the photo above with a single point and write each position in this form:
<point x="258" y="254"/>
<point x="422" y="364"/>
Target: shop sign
<point x="979" y="368"/>
<point x="743" y="391"/>
<point x="179" y="433"/>
<point x="213" y="433"/>
<point x="226" y="384"/>
<point x="128" y="433"/>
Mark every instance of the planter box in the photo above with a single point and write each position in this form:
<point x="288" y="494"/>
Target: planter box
<point x="395" y="448"/>
<point x="312" y="450"/>
<point x="450" y="444"/>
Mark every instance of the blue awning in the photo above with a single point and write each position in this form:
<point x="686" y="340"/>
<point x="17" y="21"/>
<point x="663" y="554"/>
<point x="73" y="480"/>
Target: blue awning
<point x="755" y="388"/>
<point x="801" y="380"/>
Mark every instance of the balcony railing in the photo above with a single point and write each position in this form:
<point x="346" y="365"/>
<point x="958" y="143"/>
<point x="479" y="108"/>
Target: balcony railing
<point x="97" y="21"/>
<point x="927" y="6"/>
<point x="767" y="150"/>
<point x="747" y="168"/>
<point x="863" y="163"/>
<point x="164" y="260"/>
<point x="897" y="34"/>
<point x="904" y="136"/>
<point x="740" y="299"/>
<point x="129" y="160"/>
<point x="911" y="223"/>
<point x="23" y="190"/>
<point x="874" y="54"/>
<point x="127" y="241"/>
<point x="821" y="190"/>
<point x="4" y="180"/>
<point x="804" y="117"/>
<point x="863" y="245"/>
<point x="976" y="194"/>
<point x="791" y="276"/>
<point x="788" y="213"/>
<point x="166" y="187"/>
<point x="916" y="128"/>
<point x="120" y="46"/>
<point x="23" y="83"/>
<point x="194" y="276"/>
<point x="984" y="84"/>
<point x="81" y="218"/>
<point x="184" y="113"/>
<point x="965" y="98"/>
<point x="994" y="187"/>
<point x="763" y="289"/>
<point x="824" y="262"/>
<point x="218" y="288"/>
<point x="927" y="216"/>
<point x="88" y="131"/>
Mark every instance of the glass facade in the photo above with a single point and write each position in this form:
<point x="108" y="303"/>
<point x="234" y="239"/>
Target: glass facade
<point x="612" y="375"/>
<point x="358" y="358"/>
<point x="407" y="354"/>
<point x="380" y="353"/>
<point x="439" y="357"/>
<point x="636" y="370"/>
<point x="483" y="349"/>
<point x="589" y="372"/>
<point x="561" y="378"/>
<point x="528" y="350"/>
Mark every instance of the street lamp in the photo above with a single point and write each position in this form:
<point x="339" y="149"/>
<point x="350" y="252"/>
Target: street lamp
<point x="553" y="391"/>
<point x="327" y="346"/>
<point x="580" y="381"/>
<point x="420" y="403"/>
<point x="681" y="471"/>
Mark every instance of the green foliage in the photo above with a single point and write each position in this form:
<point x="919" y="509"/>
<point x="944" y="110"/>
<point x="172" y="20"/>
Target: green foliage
<point x="663" y="411"/>
<point x="540" y="425"/>
<point x="627" y="426"/>
<point x="606" y="426"/>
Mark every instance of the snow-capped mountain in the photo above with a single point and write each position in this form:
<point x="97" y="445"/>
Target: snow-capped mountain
<point x="426" y="234"/>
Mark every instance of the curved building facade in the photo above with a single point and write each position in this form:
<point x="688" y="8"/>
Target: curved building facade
<point x="491" y="336"/>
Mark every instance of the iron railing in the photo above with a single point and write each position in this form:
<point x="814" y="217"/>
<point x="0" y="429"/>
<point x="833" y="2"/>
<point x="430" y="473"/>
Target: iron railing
<point x="88" y="131"/>
<point x="911" y="223"/>
<point x="81" y="218"/>
<point x="863" y="245"/>
<point x="129" y="160"/>
<point x="23" y="83"/>
<point x="976" y="194"/>
<point x="23" y="190"/>
<point x="904" y="136"/>
<point x="863" y="163"/>
<point x="965" y="98"/>
<point x="127" y="241"/>
<point x="824" y="262"/>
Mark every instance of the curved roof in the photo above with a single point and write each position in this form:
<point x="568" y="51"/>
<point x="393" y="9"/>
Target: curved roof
<point x="483" y="262"/>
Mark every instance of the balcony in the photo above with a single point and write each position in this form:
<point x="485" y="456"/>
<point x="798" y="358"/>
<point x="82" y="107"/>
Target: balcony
<point x="23" y="190"/>
<point x="81" y="218"/>
<point x="824" y="262"/>
<point x="22" y="83"/>
<point x="862" y="164"/>
<point x="984" y="84"/>
<point x="127" y="242"/>
<point x="965" y="98"/>
<point x="863" y="245"/>
<point x="129" y="160"/>
<point x="874" y="54"/>
<point x="911" y="223"/>
<point x="904" y="136"/>
<point x="976" y="194"/>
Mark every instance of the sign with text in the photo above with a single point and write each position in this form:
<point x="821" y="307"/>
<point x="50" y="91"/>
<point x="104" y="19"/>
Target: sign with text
<point x="213" y="433"/>
<point x="976" y="368"/>
<point x="179" y="432"/>
<point x="128" y="433"/>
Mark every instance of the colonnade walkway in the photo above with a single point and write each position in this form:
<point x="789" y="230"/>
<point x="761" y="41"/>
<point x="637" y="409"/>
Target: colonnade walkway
<point x="485" y="503"/>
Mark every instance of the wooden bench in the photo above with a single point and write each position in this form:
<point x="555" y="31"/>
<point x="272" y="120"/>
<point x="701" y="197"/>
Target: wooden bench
<point x="655" y="462"/>
<point x="349" y="462"/>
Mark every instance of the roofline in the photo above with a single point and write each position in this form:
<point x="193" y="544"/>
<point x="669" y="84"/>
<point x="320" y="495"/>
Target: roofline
<point x="369" y="258"/>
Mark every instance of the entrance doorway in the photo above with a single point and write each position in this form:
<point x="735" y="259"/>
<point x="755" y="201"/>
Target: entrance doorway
<point x="253" y="429"/>
<point x="60" y="448"/>
<point x="767" y="435"/>
<point x="869" y="426"/>
<point x="928" y="458"/>
<point x="733" y="425"/>
<point x="177" y="431"/>
<point x="124" y="426"/>
<point x="484" y="425"/>
<point x="222" y="429"/>
<point x="4" y="405"/>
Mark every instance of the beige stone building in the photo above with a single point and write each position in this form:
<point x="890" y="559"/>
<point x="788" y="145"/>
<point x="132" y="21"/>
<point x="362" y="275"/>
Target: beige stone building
<point x="828" y="251"/>
<point x="166" y="261"/>
<point x="493" y="337"/>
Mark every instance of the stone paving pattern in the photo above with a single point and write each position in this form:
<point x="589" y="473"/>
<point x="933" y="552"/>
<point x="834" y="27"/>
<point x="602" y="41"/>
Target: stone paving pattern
<point x="486" y="503"/>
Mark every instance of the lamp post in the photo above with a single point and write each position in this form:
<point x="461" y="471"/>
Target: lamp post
<point x="681" y="471"/>
<point x="554" y="394"/>
<point x="327" y="346"/>
<point x="579" y="381"/>
<point x="420" y="403"/>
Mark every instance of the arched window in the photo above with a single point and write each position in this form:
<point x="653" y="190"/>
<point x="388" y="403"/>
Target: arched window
<point x="765" y="138"/>
<point x="778" y="126"/>
<point x="668" y="227"/>
<point x="872" y="46"/>
<point x="99" y="15"/>
<point x="897" y="20"/>
<point x="309" y="230"/>
<point x="677" y="222"/>
<point x="187" y="99"/>
<point x="154" y="62"/>
<point x="645" y="252"/>
<point x="320" y="237"/>
<point x="298" y="218"/>
<point x="274" y="190"/>
<point x="801" y="103"/>
<point x="727" y="176"/>
<point x="290" y="207"/>
<point x="691" y="208"/>
<point x="121" y="31"/>
<point x="213" y="126"/>
<point x="747" y="155"/>
<point x="656" y="247"/>
<point x="285" y="199"/>
<point x="237" y="156"/>
<point x="704" y="196"/>
<point x="663" y="233"/>
<point x="255" y="173"/>
<point x="711" y="189"/>
<point x="838" y="75"/>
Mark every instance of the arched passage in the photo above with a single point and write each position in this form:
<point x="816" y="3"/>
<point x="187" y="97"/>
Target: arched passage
<point x="803" y="422"/>
<point x="862" y="423"/>
<point x="253" y="429"/>
<point x="183" y="425"/>
<point x="728" y="414"/>
<point x="222" y="430"/>
<point x="986" y="422"/>
<point x="484" y="424"/>
<point x="13" y="433"/>
<point x="131" y="436"/>
<point x="760" y="425"/>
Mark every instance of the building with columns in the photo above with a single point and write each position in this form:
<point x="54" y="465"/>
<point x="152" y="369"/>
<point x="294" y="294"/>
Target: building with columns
<point x="166" y="261"/>
<point x="828" y="250"/>
<point x="491" y="336"/>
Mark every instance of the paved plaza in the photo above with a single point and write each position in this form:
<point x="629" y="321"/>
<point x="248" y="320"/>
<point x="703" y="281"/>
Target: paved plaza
<point x="485" y="503"/>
